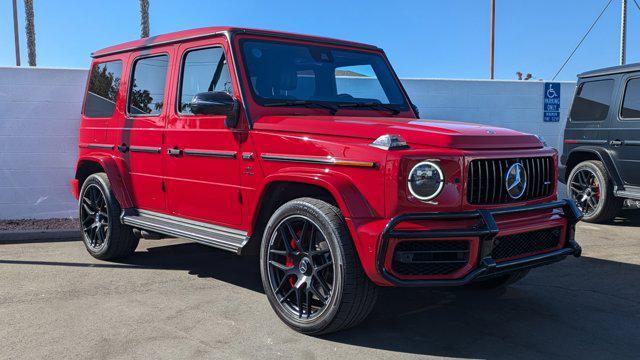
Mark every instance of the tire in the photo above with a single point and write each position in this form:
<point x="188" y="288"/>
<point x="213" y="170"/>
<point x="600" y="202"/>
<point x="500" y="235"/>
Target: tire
<point x="607" y="205"/>
<point x="501" y="281"/>
<point x="104" y="236"/>
<point x="352" y="295"/>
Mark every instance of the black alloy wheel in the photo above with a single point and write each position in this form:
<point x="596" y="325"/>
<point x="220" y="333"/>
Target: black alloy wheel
<point x="94" y="217"/>
<point x="104" y="236"/>
<point x="585" y="190"/>
<point x="301" y="273"/>
<point x="590" y="186"/>
<point x="310" y="270"/>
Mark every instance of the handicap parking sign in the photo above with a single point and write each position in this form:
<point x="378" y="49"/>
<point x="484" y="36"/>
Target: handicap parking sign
<point x="551" y="102"/>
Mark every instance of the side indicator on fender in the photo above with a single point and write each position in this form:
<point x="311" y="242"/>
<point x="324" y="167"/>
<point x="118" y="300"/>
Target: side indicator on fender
<point x="355" y="163"/>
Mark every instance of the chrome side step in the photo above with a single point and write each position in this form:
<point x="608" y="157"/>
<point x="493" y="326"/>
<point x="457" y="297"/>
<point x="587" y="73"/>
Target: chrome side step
<point x="207" y="234"/>
<point x="631" y="193"/>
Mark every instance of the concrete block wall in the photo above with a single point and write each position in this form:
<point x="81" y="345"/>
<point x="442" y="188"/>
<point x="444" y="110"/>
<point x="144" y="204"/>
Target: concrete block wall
<point x="39" y="118"/>
<point x="40" y="112"/>
<point x="516" y="105"/>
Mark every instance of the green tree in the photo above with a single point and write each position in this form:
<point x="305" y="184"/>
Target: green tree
<point x="103" y="83"/>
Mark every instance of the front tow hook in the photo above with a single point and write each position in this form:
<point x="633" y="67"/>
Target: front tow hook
<point x="577" y="249"/>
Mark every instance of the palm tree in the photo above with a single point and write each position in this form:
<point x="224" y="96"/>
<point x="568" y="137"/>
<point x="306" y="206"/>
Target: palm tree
<point x="144" y="18"/>
<point x="31" y="32"/>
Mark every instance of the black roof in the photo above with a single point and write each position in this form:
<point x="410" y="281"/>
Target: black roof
<point x="611" y="70"/>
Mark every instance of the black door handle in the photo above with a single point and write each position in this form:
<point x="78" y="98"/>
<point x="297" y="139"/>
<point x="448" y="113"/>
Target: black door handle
<point x="174" y="152"/>
<point x="615" y="142"/>
<point x="123" y="148"/>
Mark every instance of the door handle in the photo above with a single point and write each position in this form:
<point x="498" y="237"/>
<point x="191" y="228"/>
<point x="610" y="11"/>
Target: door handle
<point x="615" y="142"/>
<point x="123" y="148"/>
<point x="174" y="151"/>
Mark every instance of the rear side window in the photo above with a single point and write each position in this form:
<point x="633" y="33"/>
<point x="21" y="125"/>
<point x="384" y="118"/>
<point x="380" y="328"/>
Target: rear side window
<point x="631" y="102"/>
<point x="592" y="101"/>
<point x="203" y="70"/>
<point x="146" y="94"/>
<point x="103" y="89"/>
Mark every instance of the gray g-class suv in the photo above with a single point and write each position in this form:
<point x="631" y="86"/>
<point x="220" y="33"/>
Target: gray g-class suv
<point x="601" y="159"/>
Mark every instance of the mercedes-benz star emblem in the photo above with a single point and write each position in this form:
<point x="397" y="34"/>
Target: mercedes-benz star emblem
<point x="304" y="266"/>
<point x="515" y="180"/>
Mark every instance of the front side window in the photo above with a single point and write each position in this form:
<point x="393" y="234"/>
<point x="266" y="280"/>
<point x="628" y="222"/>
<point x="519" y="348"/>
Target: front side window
<point x="592" y="101"/>
<point x="361" y="82"/>
<point x="285" y="72"/>
<point x="203" y="70"/>
<point x="146" y="94"/>
<point x="631" y="103"/>
<point x="103" y="89"/>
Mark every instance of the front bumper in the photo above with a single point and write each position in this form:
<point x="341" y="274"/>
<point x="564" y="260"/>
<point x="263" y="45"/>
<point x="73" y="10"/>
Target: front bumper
<point x="486" y="232"/>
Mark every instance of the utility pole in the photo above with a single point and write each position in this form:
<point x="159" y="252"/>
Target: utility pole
<point x="623" y="34"/>
<point x="492" y="44"/>
<point x="16" y="37"/>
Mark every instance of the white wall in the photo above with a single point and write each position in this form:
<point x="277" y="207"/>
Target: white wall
<point x="39" y="117"/>
<point x="516" y="105"/>
<point x="40" y="111"/>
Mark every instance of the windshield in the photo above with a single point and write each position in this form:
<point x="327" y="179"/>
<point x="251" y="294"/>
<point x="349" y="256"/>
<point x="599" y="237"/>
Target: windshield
<point x="286" y="73"/>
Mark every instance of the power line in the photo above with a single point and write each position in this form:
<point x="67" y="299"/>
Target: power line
<point x="583" y="37"/>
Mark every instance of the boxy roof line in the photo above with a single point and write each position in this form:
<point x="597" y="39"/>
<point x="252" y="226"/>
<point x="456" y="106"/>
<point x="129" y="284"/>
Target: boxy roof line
<point x="192" y="34"/>
<point x="611" y="70"/>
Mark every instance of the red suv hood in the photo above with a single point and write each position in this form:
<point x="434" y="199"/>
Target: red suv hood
<point x="450" y="134"/>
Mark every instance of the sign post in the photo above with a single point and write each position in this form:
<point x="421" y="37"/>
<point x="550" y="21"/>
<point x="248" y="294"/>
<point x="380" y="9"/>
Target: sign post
<point x="551" y="102"/>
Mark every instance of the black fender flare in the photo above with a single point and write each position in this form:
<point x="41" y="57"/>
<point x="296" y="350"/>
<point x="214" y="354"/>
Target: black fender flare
<point x="604" y="156"/>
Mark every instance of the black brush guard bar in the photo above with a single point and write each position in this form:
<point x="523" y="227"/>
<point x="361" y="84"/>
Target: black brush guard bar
<point x="486" y="231"/>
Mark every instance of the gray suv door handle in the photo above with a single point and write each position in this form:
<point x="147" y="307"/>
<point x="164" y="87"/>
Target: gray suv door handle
<point x="615" y="142"/>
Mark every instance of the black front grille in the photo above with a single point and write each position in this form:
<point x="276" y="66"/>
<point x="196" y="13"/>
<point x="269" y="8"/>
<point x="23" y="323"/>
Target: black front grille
<point x="525" y="243"/>
<point x="486" y="180"/>
<point x="430" y="257"/>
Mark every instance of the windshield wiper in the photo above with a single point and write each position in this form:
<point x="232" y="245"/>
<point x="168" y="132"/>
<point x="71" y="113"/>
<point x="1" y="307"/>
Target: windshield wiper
<point x="372" y="105"/>
<point x="305" y="103"/>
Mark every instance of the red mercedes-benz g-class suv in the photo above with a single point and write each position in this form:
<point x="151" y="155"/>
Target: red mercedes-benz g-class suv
<point x="308" y="152"/>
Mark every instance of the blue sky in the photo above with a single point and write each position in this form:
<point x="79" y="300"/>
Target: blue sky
<point x="423" y="38"/>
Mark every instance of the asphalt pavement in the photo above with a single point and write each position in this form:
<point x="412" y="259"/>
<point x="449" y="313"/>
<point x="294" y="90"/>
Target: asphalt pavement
<point x="174" y="299"/>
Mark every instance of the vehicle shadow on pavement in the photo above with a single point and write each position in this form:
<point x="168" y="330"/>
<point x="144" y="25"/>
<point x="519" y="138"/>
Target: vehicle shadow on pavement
<point x="201" y="261"/>
<point x="582" y="308"/>
<point x="585" y="307"/>
<point x="627" y="217"/>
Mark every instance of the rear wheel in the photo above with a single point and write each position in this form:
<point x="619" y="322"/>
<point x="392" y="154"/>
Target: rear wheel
<point x="105" y="237"/>
<point x="310" y="270"/>
<point x="591" y="188"/>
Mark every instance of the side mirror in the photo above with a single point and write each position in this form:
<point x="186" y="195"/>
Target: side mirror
<point x="216" y="103"/>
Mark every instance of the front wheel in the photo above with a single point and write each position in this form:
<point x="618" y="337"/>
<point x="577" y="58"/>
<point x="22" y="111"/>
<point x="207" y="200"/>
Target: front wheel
<point x="591" y="188"/>
<point x="310" y="270"/>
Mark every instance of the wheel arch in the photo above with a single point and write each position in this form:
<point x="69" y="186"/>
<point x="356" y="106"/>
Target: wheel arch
<point x="280" y="188"/>
<point x="585" y="153"/>
<point x="88" y="165"/>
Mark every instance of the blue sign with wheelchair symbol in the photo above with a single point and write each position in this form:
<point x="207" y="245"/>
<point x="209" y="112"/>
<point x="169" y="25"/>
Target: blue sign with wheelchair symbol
<point x="551" y="102"/>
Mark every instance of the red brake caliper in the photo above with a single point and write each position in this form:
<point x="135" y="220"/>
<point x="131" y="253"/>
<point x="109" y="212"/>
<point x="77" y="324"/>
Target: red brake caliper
<point x="289" y="262"/>
<point x="597" y="192"/>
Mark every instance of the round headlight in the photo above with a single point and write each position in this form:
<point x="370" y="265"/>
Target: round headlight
<point x="425" y="180"/>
